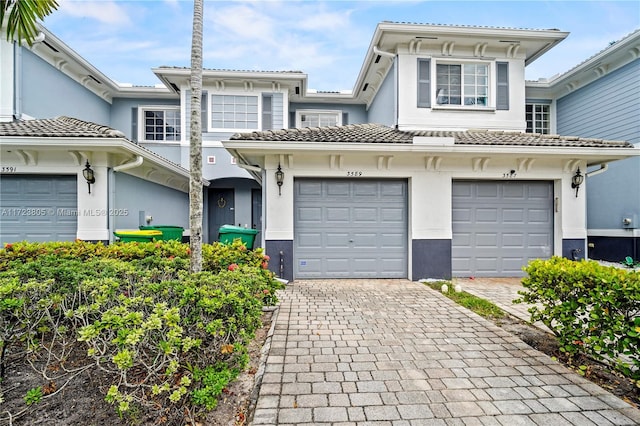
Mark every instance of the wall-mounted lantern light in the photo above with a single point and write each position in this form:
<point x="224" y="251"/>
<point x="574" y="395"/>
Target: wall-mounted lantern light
<point x="577" y="180"/>
<point x="87" y="172"/>
<point x="279" y="179"/>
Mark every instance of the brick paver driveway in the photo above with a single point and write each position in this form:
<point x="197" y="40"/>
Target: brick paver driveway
<point x="394" y="352"/>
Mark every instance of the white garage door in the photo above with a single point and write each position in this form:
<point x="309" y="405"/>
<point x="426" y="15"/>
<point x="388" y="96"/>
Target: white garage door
<point x="350" y="228"/>
<point x="38" y="208"/>
<point x="499" y="226"/>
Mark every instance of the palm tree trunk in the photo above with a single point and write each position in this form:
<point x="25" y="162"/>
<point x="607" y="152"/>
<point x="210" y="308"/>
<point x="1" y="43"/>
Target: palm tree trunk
<point x="195" y="145"/>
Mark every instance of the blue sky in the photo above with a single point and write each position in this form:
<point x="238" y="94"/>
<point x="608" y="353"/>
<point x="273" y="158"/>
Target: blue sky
<point x="325" y="39"/>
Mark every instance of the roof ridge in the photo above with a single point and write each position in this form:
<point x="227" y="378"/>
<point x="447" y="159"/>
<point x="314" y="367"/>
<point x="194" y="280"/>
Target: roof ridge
<point x="100" y="128"/>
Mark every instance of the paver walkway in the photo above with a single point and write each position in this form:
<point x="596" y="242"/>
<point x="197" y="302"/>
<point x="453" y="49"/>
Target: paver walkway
<point x="394" y="352"/>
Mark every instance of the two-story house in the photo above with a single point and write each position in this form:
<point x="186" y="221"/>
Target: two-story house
<point x="445" y="183"/>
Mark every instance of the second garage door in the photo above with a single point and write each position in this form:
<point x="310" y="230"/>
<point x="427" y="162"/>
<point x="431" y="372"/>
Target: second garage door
<point x="350" y="228"/>
<point x="499" y="226"/>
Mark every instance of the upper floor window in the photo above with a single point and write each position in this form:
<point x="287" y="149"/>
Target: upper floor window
<point x="234" y="112"/>
<point x="318" y="118"/>
<point x="537" y="116"/>
<point x="463" y="84"/>
<point x="161" y="124"/>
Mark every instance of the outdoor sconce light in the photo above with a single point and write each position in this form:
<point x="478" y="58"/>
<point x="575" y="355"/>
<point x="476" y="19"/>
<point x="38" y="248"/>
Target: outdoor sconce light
<point x="577" y="180"/>
<point x="87" y="172"/>
<point x="279" y="179"/>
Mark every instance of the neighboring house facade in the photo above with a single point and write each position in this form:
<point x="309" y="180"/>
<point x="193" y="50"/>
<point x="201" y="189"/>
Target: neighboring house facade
<point x="447" y="183"/>
<point x="600" y="98"/>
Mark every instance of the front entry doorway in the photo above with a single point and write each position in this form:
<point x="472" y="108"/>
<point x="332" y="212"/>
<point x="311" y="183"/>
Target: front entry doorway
<point x="221" y="210"/>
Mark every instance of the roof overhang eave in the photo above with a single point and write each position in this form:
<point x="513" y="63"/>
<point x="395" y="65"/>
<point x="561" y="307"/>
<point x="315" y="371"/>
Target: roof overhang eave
<point x="592" y="155"/>
<point x="113" y="145"/>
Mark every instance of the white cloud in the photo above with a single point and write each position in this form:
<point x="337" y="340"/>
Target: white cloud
<point x="106" y="12"/>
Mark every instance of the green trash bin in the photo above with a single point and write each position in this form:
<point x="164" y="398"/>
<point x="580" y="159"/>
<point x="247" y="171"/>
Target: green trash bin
<point x="141" y="236"/>
<point x="169" y="232"/>
<point x="228" y="233"/>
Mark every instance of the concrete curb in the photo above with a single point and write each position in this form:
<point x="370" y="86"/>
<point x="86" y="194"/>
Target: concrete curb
<point x="264" y="354"/>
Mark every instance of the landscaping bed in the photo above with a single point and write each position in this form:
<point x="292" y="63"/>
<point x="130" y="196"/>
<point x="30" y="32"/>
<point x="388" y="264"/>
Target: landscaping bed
<point x="124" y="334"/>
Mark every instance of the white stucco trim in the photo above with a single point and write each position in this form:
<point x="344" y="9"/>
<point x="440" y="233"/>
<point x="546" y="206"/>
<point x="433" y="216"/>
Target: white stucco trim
<point x="625" y="233"/>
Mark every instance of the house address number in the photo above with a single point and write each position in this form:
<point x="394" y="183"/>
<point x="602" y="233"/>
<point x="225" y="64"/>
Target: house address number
<point x="9" y="169"/>
<point x="354" y="173"/>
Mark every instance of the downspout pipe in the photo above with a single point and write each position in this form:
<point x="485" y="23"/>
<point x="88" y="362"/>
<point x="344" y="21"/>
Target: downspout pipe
<point x="383" y="53"/>
<point x="603" y="168"/>
<point x="131" y="165"/>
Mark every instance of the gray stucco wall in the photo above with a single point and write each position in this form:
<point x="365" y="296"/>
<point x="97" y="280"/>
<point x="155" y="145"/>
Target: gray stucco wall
<point x="383" y="109"/>
<point x="45" y="92"/>
<point x="167" y="206"/>
<point x="122" y="112"/>
<point x="608" y="108"/>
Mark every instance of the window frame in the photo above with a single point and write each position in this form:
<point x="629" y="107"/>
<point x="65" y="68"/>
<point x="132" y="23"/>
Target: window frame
<point x="336" y="112"/>
<point x="142" y="133"/>
<point x="534" y="128"/>
<point x="212" y="128"/>
<point x="433" y="84"/>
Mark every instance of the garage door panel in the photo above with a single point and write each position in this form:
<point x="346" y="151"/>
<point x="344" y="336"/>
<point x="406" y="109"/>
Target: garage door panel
<point x="335" y="240"/>
<point x="393" y="189"/>
<point x="366" y="190"/>
<point x="310" y="265"/>
<point x="486" y="239"/>
<point x="364" y="240"/>
<point x="336" y="264"/>
<point x="309" y="189"/>
<point x="520" y="216"/>
<point x="309" y="239"/>
<point x="486" y="192"/>
<point x="461" y="215"/>
<point x="389" y="241"/>
<point x="511" y="215"/>
<point x="365" y="214"/>
<point x="337" y="215"/>
<point x="461" y="190"/>
<point x="363" y="222"/>
<point x="542" y="216"/>
<point x="393" y="215"/>
<point x="539" y="192"/>
<point x="486" y="215"/>
<point x="486" y="264"/>
<point x="340" y="189"/>
<point x="538" y="240"/>
<point x="461" y="239"/>
<point x="513" y="240"/>
<point x="515" y="191"/>
<point x="310" y="214"/>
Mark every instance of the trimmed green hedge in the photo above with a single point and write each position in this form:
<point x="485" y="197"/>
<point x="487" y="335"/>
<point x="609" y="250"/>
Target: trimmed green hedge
<point x="169" y="340"/>
<point x="592" y="309"/>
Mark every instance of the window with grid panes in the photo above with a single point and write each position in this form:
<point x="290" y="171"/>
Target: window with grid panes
<point x="318" y="118"/>
<point x="462" y="84"/>
<point x="537" y="116"/>
<point x="161" y="124"/>
<point x="234" y="112"/>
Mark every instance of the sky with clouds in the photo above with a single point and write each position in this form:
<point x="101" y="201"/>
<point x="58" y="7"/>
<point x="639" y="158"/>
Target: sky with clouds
<point x="327" y="40"/>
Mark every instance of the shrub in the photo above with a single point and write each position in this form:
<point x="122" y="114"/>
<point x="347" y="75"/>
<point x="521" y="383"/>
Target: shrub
<point x="169" y="340"/>
<point x="592" y="309"/>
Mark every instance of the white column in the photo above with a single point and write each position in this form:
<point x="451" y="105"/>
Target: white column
<point x="93" y="209"/>
<point x="7" y="79"/>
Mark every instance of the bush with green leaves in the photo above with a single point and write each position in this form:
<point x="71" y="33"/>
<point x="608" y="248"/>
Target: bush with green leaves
<point x="169" y="340"/>
<point x="591" y="308"/>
